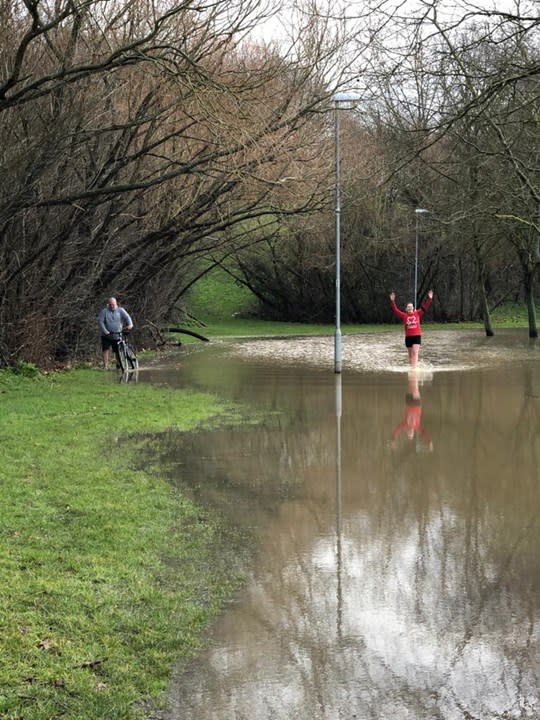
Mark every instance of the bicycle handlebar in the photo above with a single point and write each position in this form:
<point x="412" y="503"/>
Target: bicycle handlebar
<point x="120" y="335"/>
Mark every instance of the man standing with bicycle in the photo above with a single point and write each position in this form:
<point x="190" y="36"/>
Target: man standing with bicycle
<point x="111" y="322"/>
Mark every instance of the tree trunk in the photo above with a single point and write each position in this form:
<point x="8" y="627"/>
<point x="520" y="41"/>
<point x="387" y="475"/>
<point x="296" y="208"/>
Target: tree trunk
<point x="488" y="325"/>
<point x="531" y="306"/>
<point x="529" y="264"/>
<point x="486" y="315"/>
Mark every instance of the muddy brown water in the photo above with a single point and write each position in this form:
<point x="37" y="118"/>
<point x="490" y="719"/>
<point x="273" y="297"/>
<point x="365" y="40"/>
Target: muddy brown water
<point x="396" y="572"/>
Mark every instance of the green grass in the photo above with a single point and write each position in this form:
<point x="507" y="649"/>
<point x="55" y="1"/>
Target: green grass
<point x="91" y="616"/>
<point x="511" y="316"/>
<point x="217" y="296"/>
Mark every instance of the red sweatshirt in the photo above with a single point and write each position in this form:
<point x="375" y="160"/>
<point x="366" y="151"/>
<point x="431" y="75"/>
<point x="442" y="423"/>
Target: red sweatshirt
<point x="411" y="321"/>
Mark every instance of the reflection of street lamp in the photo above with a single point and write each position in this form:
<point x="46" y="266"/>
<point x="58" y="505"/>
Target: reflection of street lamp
<point x="418" y="212"/>
<point x="339" y="506"/>
<point x="346" y="99"/>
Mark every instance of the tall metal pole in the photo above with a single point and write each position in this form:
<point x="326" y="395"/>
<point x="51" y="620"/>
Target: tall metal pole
<point x="337" y="342"/>
<point x="416" y="261"/>
<point x="348" y="99"/>
<point x="417" y="212"/>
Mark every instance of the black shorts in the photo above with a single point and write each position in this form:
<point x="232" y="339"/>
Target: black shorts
<point x="413" y="340"/>
<point x="109" y="341"/>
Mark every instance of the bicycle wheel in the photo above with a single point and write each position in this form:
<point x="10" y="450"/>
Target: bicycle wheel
<point x="133" y="363"/>
<point x="122" y="356"/>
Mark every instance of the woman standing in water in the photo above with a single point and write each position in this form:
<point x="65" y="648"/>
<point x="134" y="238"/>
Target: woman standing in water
<point x="411" y="323"/>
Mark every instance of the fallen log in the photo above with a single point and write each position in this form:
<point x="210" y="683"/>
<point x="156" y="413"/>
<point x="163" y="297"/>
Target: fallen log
<point x="185" y="332"/>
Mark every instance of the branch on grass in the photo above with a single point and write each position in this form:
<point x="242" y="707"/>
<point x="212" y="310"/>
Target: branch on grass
<point x="91" y="663"/>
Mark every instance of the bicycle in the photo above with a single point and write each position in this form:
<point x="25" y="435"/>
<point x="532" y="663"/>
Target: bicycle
<point x="125" y="354"/>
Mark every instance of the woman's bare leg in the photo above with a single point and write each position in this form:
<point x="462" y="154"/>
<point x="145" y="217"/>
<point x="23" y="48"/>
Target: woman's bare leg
<point x="414" y="351"/>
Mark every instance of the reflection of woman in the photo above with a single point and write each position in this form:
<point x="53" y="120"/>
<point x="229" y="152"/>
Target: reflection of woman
<point x="412" y="416"/>
<point x="411" y="323"/>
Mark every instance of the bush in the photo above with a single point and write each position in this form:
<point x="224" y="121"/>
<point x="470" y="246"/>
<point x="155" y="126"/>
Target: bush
<point x="25" y="369"/>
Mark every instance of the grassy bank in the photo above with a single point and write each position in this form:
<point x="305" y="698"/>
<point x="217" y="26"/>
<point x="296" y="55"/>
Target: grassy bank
<point x="225" y="309"/>
<point x="509" y="316"/>
<point x="91" y="617"/>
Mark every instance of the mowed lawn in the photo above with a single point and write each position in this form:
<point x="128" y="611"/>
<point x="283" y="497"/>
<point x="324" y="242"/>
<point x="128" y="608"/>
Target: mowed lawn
<point x="109" y="575"/>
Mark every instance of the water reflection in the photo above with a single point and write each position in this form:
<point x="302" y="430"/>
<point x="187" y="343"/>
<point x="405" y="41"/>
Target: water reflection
<point x="387" y="584"/>
<point x="411" y="424"/>
<point x="339" y="504"/>
<point x="129" y="376"/>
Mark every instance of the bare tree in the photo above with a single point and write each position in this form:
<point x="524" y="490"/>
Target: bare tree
<point x="136" y="138"/>
<point x="457" y="87"/>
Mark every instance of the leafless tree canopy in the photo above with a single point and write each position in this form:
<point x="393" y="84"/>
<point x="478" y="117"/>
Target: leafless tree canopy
<point x="446" y="120"/>
<point x="135" y="138"/>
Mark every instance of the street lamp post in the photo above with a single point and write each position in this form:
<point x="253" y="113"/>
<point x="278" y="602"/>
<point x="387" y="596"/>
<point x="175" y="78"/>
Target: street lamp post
<point x="347" y="99"/>
<point x="417" y="212"/>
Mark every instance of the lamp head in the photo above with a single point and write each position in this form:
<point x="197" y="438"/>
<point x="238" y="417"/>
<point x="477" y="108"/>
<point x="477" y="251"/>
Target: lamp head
<point x="346" y="99"/>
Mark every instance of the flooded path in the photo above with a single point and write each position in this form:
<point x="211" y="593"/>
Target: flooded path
<point x="396" y="574"/>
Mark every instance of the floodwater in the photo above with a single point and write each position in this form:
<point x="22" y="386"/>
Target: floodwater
<point x="396" y="518"/>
